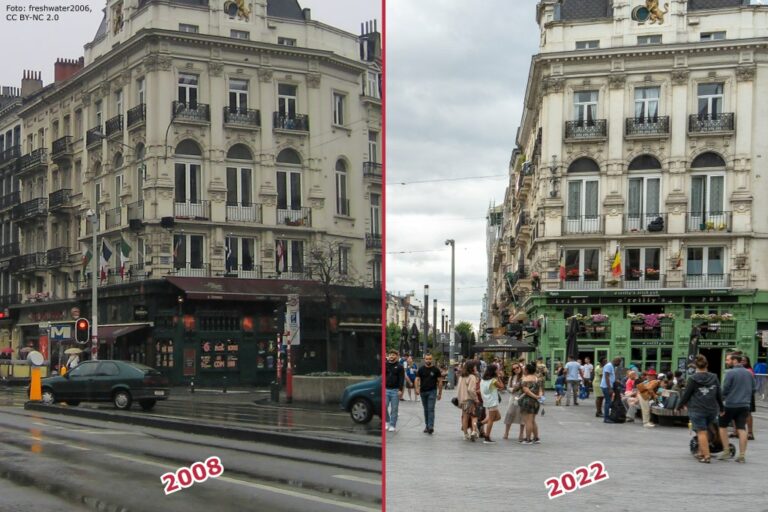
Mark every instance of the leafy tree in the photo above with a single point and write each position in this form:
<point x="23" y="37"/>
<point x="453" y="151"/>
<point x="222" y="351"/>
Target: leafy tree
<point x="394" y="332"/>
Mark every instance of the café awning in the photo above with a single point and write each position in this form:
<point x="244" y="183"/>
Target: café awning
<point x="227" y="288"/>
<point x="109" y="333"/>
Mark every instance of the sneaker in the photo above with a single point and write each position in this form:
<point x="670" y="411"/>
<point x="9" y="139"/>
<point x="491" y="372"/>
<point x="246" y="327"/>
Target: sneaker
<point x="536" y="440"/>
<point x="598" y="415"/>
<point x="526" y="441"/>
<point x="608" y="421"/>
<point x="724" y="456"/>
<point x="391" y="428"/>
<point x="426" y="430"/>
<point x="431" y="431"/>
<point x="741" y="458"/>
<point x="489" y="441"/>
<point x="650" y="425"/>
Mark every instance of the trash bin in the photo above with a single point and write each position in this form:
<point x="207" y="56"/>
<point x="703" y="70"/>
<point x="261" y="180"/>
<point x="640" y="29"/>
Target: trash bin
<point x="274" y="391"/>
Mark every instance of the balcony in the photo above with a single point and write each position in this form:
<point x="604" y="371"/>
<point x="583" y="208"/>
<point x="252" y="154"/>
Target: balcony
<point x="62" y="147"/>
<point x="190" y="270"/>
<point x="709" y="123"/>
<point x="136" y="272"/>
<point x="192" y="210"/>
<point x="10" y="200"/>
<point x="373" y="241"/>
<point x="342" y="207"/>
<point x="242" y="117"/>
<point x="59" y="199"/>
<point x="707" y="281"/>
<point x="136" y="115"/>
<point x="708" y="222"/>
<point x="245" y="271"/>
<point x="586" y="130"/>
<point x="651" y="327"/>
<point x="591" y="331"/>
<point x="244" y="212"/>
<point x="294" y="273"/>
<point x="294" y="217"/>
<point x="297" y="123"/>
<point x="645" y="223"/>
<point x="9" y="250"/>
<point x="57" y="257"/>
<point x="114" y="126"/>
<point x="114" y="218"/>
<point x="136" y="211"/>
<point x="646" y="127"/>
<point x="372" y="170"/>
<point x="34" y="159"/>
<point x="590" y="280"/>
<point x="715" y="330"/>
<point x="522" y="220"/>
<point x="93" y="137"/>
<point x="582" y="224"/>
<point x="195" y="112"/>
<point x="30" y="209"/>
<point x="11" y="298"/>
<point x="28" y="262"/>
<point x="643" y="280"/>
<point x="10" y="155"/>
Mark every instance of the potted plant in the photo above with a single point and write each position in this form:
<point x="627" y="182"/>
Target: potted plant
<point x="636" y="273"/>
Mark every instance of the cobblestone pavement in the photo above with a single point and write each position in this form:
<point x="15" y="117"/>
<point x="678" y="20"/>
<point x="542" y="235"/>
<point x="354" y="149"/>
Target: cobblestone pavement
<point x="649" y="469"/>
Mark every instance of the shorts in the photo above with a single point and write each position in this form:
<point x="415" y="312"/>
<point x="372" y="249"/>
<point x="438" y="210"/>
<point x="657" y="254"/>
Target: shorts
<point x="409" y="385"/>
<point x="559" y="390"/>
<point x="737" y="415"/>
<point x="468" y="407"/>
<point x="701" y="420"/>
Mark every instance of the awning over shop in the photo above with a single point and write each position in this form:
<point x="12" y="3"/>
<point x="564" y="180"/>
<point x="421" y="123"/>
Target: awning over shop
<point x="226" y="288"/>
<point x="109" y="333"/>
<point x="503" y="344"/>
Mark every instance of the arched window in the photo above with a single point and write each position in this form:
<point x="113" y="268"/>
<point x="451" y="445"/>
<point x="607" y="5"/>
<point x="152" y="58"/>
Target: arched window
<point x="342" y="200"/>
<point x="240" y="152"/>
<point x="240" y="185"/>
<point x="289" y="156"/>
<point x="189" y="147"/>
<point x="583" y="164"/>
<point x="708" y="159"/>
<point x="118" y="161"/>
<point x="140" y="152"/>
<point x="289" y="194"/>
<point x="188" y="177"/>
<point x="644" y="162"/>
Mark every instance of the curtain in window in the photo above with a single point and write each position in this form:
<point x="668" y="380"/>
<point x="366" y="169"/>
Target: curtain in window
<point x="716" y="184"/>
<point x="652" y="201"/>
<point x="231" y="186"/>
<point x="653" y="258"/>
<point x="245" y="186"/>
<point x="282" y="196"/>
<point x="247" y="260"/>
<point x="633" y="266"/>
<point x="297" y="256"/>
<point x="295" y="191"/>
<point x="592" y="260"/>
<point x="695" y="261"/>
<point x="590" y="199"/>
<point x="574" y="199"/>
<point x="697" y="195"/>
<point x="194" y="183"/>
<point x="196" y="251"/>
<point x="715" y="261"/>
<point x="181" y="183"/>
<point x="635" y="197"/>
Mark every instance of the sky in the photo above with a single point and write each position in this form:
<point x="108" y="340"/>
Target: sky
<point x="66" y="37"/>
<point x="456" y="77"/>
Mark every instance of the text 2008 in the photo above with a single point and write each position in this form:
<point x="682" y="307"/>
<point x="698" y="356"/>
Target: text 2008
<point x="197" y="472"/>
<point x="576" y="479"/>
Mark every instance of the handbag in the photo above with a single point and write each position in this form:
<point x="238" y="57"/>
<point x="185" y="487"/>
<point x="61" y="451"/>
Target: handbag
<point x="455" y="401"/>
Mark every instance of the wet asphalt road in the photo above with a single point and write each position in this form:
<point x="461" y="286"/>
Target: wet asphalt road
<point x="55" y="463"/>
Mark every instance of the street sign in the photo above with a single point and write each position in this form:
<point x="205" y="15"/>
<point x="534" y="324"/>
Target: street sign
<point x="293" y="320"/>
<point x="60" y="332"/>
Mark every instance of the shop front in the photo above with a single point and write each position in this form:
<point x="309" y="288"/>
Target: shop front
<point x="46" y="327"/>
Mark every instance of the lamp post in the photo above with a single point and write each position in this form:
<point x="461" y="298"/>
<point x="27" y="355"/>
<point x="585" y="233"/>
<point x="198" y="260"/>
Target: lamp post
<point x="94" y="216"/>
<point x="452" y="329"/>
<point x="426" y="321"/>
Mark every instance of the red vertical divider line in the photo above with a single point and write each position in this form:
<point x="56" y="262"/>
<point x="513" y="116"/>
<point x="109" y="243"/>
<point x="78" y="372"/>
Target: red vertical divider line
<point x="383" y="251"/>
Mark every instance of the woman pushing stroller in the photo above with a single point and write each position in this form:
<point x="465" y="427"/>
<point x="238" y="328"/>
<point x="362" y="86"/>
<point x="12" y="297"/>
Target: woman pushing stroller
<point x="706" y="402"/>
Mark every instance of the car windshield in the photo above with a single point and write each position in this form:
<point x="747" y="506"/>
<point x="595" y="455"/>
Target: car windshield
<point x="83" y="369"/>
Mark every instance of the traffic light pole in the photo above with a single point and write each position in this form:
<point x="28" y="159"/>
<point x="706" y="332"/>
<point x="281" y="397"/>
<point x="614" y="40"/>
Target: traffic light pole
<point x="94" y="290"/>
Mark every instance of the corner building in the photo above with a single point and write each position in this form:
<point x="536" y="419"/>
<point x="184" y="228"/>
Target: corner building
<point x="643" y="136"/>
<point x="225" y="151"/>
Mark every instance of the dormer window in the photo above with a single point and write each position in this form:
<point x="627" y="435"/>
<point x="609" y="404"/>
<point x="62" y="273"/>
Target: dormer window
<point x="645" y="40"/>
<point x="712" y="36"/>
<point x="191" y="29"/>
<point x="286" y="41"/>
<point x="587" y="45"/>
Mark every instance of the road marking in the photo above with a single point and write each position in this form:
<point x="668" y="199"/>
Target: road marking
<point x="358" y="479"/>
<point x="267" y="488"/>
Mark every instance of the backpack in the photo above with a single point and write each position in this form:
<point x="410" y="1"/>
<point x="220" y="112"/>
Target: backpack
<point x="618" y="411"/>
<point x="656" y="224"/>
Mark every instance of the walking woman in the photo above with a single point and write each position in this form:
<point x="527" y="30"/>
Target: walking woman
<point x="529" y="403"/>
<point x="514" y="386"/>
<point x="559" y="383"/>
<point x="489" y="388"/>
<point x="705" y="401"/>
<point x="468" y="399"/>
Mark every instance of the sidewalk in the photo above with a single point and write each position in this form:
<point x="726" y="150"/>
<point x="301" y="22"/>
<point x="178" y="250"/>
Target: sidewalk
<point x="649" y="469"/>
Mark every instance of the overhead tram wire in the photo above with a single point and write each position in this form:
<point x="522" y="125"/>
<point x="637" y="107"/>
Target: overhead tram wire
<point x="438" y="180"/>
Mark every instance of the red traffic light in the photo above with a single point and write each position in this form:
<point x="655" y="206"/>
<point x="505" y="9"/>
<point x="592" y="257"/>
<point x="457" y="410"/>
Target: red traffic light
<point x="2" y="315"/>
<point x="82" y="330"/>
<point x="81" y="324"/>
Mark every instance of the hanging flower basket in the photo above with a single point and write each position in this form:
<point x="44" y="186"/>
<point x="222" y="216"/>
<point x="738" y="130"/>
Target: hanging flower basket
<point x="713" y="317"/>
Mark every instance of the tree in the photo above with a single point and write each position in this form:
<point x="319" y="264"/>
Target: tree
<point x="394" y="332"/>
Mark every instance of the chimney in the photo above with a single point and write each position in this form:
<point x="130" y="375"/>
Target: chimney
<point x="64" y="69"/>
<point x="307" y="13"/>
<point x="31" y="82"/>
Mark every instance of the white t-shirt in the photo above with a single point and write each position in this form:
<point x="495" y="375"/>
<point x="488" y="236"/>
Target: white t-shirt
<point x="587" y="371"/>
<point x="490" y="394"/>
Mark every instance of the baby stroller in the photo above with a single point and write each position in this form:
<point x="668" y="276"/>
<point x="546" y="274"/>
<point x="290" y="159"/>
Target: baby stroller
<point x="715" y="445"/>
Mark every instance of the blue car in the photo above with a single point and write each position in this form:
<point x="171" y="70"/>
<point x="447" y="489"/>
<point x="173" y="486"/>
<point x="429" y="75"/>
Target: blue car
<point x="363" y="400"/>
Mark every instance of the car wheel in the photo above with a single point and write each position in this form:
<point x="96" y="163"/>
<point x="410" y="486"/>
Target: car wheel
<point x="48" y="397"/>
<point x="147" y="405"/>
<point x="73" y="403"/>
<point x="122" y="400"/>
<point x="361" y="410"/>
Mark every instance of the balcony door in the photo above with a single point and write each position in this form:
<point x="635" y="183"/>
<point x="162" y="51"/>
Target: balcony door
<point x="642" y="267"/>
<point x="376" y="215"/>
<point x="241" y="257"/>
<point x="187" y="90"/>
<point x="582" y="268"/>
<point x="643" y="202"/>
<point x="289" y="258"/>
<point x="705" y="267"/>
<point x="289" y="190"/>
<point x="286" y="101"/>
<point x="239" y="186"/>
<point x="188" y="257"/>
<point x="238" y="96"/>
<point x="710" y="101"/>
<point x="583" y="206"/>
<point x="647" y="104"/>
<point x="707" y="203"/>
<point x="585" y="107"/>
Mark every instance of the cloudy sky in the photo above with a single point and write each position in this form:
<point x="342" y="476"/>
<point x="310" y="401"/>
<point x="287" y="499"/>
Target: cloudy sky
<point x="65" y="38"/>
<point x="456" y="76"/>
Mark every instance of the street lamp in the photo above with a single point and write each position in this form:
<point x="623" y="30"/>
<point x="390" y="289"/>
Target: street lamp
<point x="425" y="334"/>
<point x="93" y="215"/>
<point x="451" y="331"/>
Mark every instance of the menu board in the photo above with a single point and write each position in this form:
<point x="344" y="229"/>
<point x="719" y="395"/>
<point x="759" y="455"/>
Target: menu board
<point x="219" y="355"/>
<point x="164" y="354"/>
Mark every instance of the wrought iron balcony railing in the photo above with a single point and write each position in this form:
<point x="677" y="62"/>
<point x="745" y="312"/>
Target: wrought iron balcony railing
<point x="645" y="223"/>
<point x="707" y="280"/>
<point x="639" y="126"/>
<point x="192" y="210"/>
<point x="710" y="222"/>
<point x="59" y="199"/>
<point x="242" y="116"/>
<point x="9" y="299"/>
<point x="244" y="212"/>
<point x="594" y="129"/>
<point x="114" y="126"/>
<point x="642" y="279"/>
<point x="114" y="217"/>
<point x="28" y="262"/>
<point x="294" y="216"/>
<point x="9" y="250"/>
<point x="35" y="158"/>
<point x="582" y="224"/>
<point x="10" y="154"/>
<point x="296" y="272"/>
<point x="244" y="271"/>
<point x="61" y="147"/>
<point x="661" y="329"/>
<point x="136" y="115"/>
<point x="57" y="257"/>
<point x="199" y="112"/>
<point x="30" y="209"/>
<point x="298" y="122"/>
<point x="372" y="170"/>
<point x="702" y="123"/>
<point x="589" y="280"/>
<point x="373" y="241"/>
<point x="93" y="136"/>
<point x="191" y="269"/>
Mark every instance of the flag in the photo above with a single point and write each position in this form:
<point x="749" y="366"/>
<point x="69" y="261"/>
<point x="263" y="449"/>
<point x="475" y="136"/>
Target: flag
<point x="176" y="248"/>
<point x="679" y="262"/>
<point x="87" y="256"/>
<point x="279" y="252"/>
<point x="106" y="254"/>
<point x="616" y="265"/>
<point x="125" y="252"/>
<point x="562" y="264"/>
<point x="228" y="256"/>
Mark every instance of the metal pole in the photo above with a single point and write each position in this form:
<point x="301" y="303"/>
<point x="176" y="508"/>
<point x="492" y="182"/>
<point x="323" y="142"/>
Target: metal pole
<point x="452" y="330"/>
<point x="434" y="323"/>
<point x="426" y="321"/>
<point x="94" y="290"/>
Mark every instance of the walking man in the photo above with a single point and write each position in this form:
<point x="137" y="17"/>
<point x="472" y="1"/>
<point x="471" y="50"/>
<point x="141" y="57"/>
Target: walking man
<point x="738" y="387"/>
<point x="606" y="385"/>
<point x="596" y="385"/>
<point x="586" y="371"/>
<point x="394" y="388"/>
<point x="573" y="377"/>
<point x="429" y="385"/>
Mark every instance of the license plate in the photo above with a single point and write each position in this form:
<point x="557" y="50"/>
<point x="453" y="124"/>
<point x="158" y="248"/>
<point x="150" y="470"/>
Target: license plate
<point x="159" y="393"/>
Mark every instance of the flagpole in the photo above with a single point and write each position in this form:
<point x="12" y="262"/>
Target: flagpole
<point x="94" y="289"/>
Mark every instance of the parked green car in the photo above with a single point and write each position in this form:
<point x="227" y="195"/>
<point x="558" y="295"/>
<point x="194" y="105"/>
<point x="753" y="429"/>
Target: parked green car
<point x="119" y="382"/>
<point x="363" y="400"/>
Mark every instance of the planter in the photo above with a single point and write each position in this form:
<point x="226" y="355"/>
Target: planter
<point x="322" y="390"/>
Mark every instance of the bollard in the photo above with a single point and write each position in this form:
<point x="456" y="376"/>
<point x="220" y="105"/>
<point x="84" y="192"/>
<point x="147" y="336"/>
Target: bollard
<point x="225" y="384"/>
<point x="192" y="385"/>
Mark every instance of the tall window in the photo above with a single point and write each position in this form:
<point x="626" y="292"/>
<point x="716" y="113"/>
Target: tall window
<point x="642" y="265"/>
<point x="141" y="91"/>
<point x="376" y="214"/>
<point x="239" y="186"/>
<point x="338" y="108"/>
<point x="373" y="146"/>
<point x="289" y="256"/>
<point x="119" y="102"/>
<point x="376" y="270"/>
<point x="67" y="125"/>
<point x="710" y="100"/>
<point x="643" y="202"/>
<point x="647" y="104"/>
<point x="706" y="267"/>
<point x="187" y="93"/>
<point x="707" y="200"/>
<point x="582" y="265"/>
<point x="288" y="184"/>
<point x="344" y="260"/>
<point x="140" y="170"/>
<point x="585" y="107"/>
<point x="78" y="123"/>
<point x="238" y="96"/>
<point x="188" y="252"/>
<point x="187" y="182"/>
<point x="372" y="84"/>
<point x="99" y="113"/>
<point x="241" y="254"/>
<point x="583" y="206"/>
<point x="140" y="252"/>
<point x="118" y="190"/>
<point x="342" y="202"/>
<point x="286" y="100"/>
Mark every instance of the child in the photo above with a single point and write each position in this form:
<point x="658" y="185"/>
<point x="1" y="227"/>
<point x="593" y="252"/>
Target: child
<point x="559" y="383"/>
